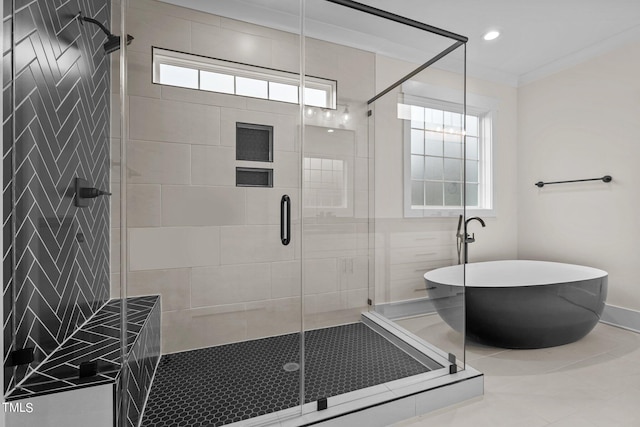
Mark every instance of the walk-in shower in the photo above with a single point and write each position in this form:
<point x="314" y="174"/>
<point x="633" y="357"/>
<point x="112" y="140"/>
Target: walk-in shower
<point x="264" y="226"/>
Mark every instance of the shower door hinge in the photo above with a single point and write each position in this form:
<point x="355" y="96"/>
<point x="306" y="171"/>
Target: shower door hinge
<point x="369" y="113"/>
<point x="369" y="302"/>
<point x="453" y="368"/>
<point x="24" y="356"/>
<point x="322" y="404"/>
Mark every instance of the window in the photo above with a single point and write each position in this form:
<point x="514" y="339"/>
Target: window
<point x="216" y="75"/>
<point x="325" y="182"/>
<point x="435" y="157"/>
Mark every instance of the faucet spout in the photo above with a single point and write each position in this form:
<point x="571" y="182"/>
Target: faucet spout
<point x="476" y="218"/>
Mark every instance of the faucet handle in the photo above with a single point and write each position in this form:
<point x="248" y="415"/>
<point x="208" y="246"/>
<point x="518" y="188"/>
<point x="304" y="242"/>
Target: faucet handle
<point x="471" y="238"/>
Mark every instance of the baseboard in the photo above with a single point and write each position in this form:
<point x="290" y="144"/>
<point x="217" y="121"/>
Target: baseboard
<point x="621" y="317"/>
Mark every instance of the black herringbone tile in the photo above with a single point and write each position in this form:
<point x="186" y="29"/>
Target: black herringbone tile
<point x="61" y="131"/>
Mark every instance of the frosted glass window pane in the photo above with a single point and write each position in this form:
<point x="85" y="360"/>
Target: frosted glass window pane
<point x="472" y="171"/>
<point x="433" y="192"/>
<point x="417" y="117"/>
<point x="452" y="170"/>
<point x="315" y="97"/>
<point x="472" y="195"/>
<point x="283" y="92"/>
<point x="251" y="87"/>
<point x="433" y="143"/>
<point x="178" y="76"/>
<point x="432" y="118"/>
<point x="452" y="194"/>
<point x="417" y="193"/>
<point x="417" y="167"/>
<point x="452" y="121"/>
<point x="433" y="168"/>
<point x="472" y="148"/>
<point x="216" y="82"/>
<point x="472" y="126"/>
<point x="453" y="149"/>
<point x="417" y="141"/>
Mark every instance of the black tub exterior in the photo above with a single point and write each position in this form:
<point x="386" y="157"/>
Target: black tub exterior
<point x="523" y="317"/>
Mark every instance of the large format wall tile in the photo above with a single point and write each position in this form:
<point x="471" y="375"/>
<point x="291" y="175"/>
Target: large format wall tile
<point x="62" y="129"/>
<point x="203" y="327"/>
<point x="202" y="205"/>
<point x="230" y="284"/>
<point x="143" y="205"/>
<point x="172" y="285"/>
<point x="173" y="247"/>
<point x="172" y="121"/>
<point x="253" y="243"/>
<point x="213" y="165"/>
<point x="158" y="163"/>
<point x="230" y="45"/>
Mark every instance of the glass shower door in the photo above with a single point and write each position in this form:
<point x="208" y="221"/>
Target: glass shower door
<point x="212" y="204"/>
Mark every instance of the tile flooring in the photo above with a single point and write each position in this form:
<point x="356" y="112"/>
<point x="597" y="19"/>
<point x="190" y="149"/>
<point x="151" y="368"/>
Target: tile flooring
<point x="592" y="382"/>
<point x="219" y="385"/>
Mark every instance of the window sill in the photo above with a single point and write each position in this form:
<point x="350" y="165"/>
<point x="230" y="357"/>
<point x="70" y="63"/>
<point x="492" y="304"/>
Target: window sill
<point x="449" y="213"/>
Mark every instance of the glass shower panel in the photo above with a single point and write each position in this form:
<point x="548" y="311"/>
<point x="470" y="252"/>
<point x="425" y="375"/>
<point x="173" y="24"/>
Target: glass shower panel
<point x="212" y="202"/>
<point x="353" y="228"/>
<point x="417" y="235"/>
<point x="418" y="141"/>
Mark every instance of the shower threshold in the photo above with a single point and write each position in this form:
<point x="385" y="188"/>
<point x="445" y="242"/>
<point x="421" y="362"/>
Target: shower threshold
<point x="371" y="373"/>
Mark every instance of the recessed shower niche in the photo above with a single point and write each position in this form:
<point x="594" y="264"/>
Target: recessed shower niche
<point x="254" y="142"/>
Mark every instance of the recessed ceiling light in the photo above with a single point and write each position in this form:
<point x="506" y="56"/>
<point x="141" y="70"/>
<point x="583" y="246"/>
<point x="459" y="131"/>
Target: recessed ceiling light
<point x="491" y="35"/>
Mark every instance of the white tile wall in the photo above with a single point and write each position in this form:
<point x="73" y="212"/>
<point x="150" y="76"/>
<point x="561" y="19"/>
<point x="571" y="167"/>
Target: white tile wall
<point x="143" y="205"/>
<point x="173" y="121"/>
<point x="154" y="28"/>
<point x="196" y="205"/>
<point x="229" y="284"/>
<point x="213" y="165"/>
<point x="158" y="163"/>
<point x="285" y="279"/>
<point x="173" y="286"/>
<point x="253" y="243"/>
<point x="211" y="249"/>
<point x="230" y="45"/>
<point x="173" y="247"/>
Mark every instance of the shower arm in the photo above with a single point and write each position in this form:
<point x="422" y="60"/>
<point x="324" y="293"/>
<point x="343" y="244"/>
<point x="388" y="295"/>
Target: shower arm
<point x="94" y="21"/>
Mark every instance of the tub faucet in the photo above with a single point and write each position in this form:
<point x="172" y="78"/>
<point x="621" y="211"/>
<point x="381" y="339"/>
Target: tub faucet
<point x="466" y="238"/>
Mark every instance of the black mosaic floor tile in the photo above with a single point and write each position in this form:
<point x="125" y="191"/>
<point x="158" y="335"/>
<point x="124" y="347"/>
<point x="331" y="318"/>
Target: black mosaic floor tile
<point x="225" y="384"/>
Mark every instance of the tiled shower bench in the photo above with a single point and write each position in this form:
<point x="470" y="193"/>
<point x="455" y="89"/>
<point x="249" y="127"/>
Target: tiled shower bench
<point x="77" y="385"/>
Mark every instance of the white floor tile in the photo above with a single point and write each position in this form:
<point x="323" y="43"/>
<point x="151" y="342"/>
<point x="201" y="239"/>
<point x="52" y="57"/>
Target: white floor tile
<point x="592" y="382"/>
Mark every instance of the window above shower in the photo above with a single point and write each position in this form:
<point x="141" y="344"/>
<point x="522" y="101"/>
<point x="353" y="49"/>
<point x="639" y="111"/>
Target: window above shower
<point x="216" y="75"/>
<point x="448" y="154"/>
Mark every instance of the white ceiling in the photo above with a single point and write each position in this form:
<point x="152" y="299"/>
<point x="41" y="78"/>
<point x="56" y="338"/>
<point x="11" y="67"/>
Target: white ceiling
<point x="539" y="37"/>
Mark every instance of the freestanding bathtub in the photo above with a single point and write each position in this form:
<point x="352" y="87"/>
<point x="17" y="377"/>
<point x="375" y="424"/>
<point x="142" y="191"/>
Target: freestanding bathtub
<point x="519" y="304"/>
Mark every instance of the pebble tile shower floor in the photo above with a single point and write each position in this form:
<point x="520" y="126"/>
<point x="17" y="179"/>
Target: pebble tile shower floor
<point x="220" y="385"/>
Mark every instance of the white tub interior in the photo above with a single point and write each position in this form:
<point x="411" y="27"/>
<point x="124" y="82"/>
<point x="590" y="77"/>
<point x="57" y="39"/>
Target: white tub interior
<point x="509" y="273"/>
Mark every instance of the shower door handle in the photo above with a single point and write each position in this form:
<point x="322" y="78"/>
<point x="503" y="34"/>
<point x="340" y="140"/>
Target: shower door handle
<point x="285" y="220"/>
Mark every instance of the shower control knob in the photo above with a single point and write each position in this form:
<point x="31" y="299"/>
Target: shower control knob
<point x="84" y="192"/>
<point x="91" y="193"/>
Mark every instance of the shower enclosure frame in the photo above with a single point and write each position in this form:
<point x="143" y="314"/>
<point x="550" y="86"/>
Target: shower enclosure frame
<point x="458" y="41"/>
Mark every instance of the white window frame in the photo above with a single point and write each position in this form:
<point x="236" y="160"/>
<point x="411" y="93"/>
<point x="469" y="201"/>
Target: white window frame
<point x="437" y="97"/>
<point x="202" y="63"/>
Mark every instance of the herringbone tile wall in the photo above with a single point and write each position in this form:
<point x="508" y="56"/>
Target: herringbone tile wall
<point x="61" y="131"/>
